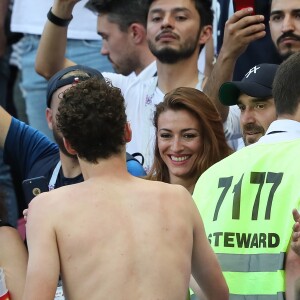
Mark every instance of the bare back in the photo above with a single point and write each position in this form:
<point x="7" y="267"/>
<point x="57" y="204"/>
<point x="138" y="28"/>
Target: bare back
<point x="126" y="240"/>
<point x="120" y="239"/>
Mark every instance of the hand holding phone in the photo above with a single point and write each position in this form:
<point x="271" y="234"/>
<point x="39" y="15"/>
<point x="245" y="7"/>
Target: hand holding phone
<point x="34" y="186"/>
<point x="241" y="4"/>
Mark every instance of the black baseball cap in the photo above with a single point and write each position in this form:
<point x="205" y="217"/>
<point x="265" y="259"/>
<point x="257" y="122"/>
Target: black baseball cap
<point x="56" y="81"/>
<point x="256" y="83"/>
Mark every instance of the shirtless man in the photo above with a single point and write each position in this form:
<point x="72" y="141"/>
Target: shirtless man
<point x="114" y="236"/>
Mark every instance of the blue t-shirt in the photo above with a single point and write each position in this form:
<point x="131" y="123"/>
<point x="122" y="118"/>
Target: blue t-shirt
<point x="32" y="154"/>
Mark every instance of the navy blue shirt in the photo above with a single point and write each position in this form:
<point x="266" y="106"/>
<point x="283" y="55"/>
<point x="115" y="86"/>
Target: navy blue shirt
<point x="31" y="154"/>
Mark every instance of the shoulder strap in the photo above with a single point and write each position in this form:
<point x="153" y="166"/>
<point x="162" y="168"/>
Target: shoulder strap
<point x="133" y="155"/>
<point x="54" y="176"/>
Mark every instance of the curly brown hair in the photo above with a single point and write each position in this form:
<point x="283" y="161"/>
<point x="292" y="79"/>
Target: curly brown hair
<point x="91" y="116"/>
<point x="198" y="104"/>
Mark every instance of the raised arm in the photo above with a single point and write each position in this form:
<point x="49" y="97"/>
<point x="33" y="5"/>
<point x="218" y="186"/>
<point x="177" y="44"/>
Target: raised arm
<point x="240" y="30"/>
<point x="52" y="47"/>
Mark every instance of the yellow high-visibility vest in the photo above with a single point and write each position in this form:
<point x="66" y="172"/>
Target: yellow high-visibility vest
<point x="246" y="203"/>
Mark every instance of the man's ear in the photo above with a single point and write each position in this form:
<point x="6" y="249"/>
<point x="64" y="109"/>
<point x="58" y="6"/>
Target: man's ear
<point x="127" y="133"/>
<point x="206" y="34"/>
<point x="49" y="118"/>
<point x="68" y="147"/>
<point x="138" y="33"/>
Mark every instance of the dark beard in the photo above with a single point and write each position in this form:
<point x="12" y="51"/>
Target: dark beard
<point x="288" y="34"/>
<point x="171" y="56"/>
<point x="60" y="142"/>
<point x="168" y="55"/>
<point x="286" y="55"/>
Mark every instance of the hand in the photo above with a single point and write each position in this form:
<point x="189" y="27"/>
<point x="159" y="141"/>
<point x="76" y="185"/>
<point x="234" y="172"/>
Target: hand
<point x="295" y="243"/>
<point x="241" y="29"/>
<point x="25" y="213"/>
<point x="63" y="8"/>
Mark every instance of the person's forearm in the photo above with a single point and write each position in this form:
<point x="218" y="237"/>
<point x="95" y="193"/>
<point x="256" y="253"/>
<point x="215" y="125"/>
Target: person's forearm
<point x="52" y="47"/>
<point x="221" y="72"/>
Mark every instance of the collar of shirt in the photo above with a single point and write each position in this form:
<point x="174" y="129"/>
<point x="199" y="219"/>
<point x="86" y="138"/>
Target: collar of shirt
<point x="284" y="130"/>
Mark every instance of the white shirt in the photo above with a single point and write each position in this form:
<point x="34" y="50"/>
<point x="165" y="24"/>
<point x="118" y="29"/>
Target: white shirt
<point x="232" y="126"/>
<point x="30" y="16"/>
<point x="281" y="130"/>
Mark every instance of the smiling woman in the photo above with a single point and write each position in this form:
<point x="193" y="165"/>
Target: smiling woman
<point x="189" y="137"/>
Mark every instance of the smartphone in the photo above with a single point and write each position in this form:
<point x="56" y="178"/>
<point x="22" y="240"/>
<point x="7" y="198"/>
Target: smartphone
<point x="240" y="4"/>
<point x="34" y="186"/>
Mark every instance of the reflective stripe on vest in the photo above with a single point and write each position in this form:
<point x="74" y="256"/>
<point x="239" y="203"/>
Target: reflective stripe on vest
<point x="246" y="273"/>
<point x="268" y="262"/>
<point x="279" y="296"/>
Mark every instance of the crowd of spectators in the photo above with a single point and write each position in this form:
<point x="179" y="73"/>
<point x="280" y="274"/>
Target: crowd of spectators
<point x="211" y="101"/>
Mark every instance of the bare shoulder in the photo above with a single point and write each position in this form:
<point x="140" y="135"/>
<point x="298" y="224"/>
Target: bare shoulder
<point x="41" y="200"/>
<point x="171" y="192"/>
<point x="43" y="206"/>
<point x="165" y="187"/>
<point x="47" y="199"/>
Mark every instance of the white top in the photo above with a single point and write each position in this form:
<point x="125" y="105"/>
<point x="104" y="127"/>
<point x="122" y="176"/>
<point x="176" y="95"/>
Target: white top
<point x="281" y="130"/>
<point x="30" y="16"/>
<point x="232" y="126"/>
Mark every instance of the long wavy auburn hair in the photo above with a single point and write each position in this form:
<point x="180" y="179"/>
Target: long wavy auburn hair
<point x="214" y="145"/>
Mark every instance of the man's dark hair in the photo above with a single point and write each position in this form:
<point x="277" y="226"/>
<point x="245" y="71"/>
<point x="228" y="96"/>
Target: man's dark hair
<point x="122" y="12"/>
<point x="286" y="87"/>
<point x="203" y="7"/>
<point x="91" y="116"/>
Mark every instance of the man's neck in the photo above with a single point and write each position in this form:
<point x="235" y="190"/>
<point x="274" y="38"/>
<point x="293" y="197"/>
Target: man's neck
<point x="183" y="73"/>
<point x="295" y="116"/>
<point x="70" y="166"/>
<point x="146" y="58"/>
<point x="112" y="167"/>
